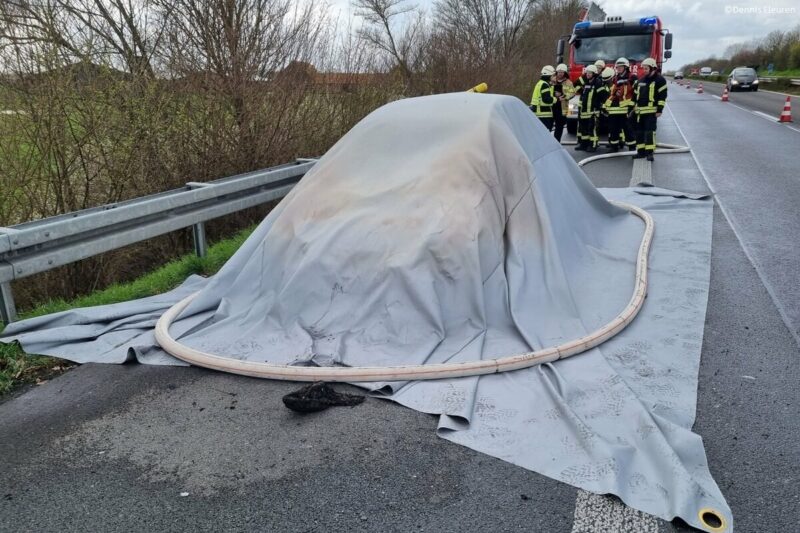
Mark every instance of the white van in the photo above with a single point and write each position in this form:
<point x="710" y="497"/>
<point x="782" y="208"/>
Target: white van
<point x="705" y="71"/>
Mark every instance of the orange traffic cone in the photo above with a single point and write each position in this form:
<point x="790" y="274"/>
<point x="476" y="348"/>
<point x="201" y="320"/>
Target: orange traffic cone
<point x="688" y="85"/>
<point x="786" y="114"/>
<point x="725" y="94"/>
<point x="700" y="89"/>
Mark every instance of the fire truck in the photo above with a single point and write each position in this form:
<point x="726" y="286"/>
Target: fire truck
<point x="608" y="40"/>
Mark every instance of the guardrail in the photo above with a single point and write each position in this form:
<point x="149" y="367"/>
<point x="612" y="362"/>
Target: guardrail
<point x="771" y="79"/>
<point x="41" y="245"/>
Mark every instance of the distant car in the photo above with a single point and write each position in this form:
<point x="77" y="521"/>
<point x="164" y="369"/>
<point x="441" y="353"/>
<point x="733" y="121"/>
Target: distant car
<point x="705" y="71"/>
<point x="679" y="75"/>
<point x="715" y="73"/>
<point x="742" y="79"/>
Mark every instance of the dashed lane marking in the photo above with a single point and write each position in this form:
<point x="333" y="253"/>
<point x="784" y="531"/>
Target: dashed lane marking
<point x="759" y="114"/>
<point x="765" y="116"/>
<point x="642" y="172"/>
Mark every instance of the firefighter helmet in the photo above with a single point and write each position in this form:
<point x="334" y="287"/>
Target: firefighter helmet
<point x="548" y="70"/>
<point x="592" y="69"/>
<point x="622" y="62"/>
<point x="607" y="73"/>
<point x="562" y="68"/>
<point x="600" y="64"/>
<point x="649" y="62"/>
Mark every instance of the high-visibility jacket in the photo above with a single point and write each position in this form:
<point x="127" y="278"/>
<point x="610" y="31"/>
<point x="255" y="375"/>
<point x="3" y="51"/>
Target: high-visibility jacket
<point x="567" y="90"/>
<point x="581" y="82"/>
<point x="620" y="99"/>
<point x="542" y="99"/>
<point x="651" y="94"/>
<point x="590" y="99"/>
<point x="601" y="93"/>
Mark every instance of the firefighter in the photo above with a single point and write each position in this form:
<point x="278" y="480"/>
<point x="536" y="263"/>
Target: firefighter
<point x="580" y="82"/>
<point x="650" y="98"/>
<point x="563" y="90"/>
<point x="619" y="107"/>
<point x="606" y="79"/>
<point x="588" y="111"/>
<point x="543" y="99"/>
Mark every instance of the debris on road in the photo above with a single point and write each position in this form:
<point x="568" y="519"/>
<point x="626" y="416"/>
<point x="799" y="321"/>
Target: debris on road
<point x="318" y="397"/>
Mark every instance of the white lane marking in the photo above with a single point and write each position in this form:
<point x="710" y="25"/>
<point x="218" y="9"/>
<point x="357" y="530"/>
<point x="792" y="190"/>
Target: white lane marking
<point x="734" y="227"/>
<point x="759" y="114"/>
<point x="642" y="172"/>
<point x="595" y="513"/>
<point x="776" y="92"/>
<point x="765" y="116"/>
<point x="717" y="97"/>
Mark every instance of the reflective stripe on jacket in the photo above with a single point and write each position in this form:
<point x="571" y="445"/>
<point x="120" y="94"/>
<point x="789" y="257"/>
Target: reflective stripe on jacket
<point x="542" y="99"/>
<point x="590" y="100"/>
<point x="621" y="98"/>
<point x="651" y="94"/>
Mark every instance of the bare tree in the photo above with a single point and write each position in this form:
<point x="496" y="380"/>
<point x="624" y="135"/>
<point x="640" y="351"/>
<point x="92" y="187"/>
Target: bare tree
<point x="395" y="29"/>
<point x="490" y="29"/>
<point x="237" y="39"/>
<point x="120" y="32"/>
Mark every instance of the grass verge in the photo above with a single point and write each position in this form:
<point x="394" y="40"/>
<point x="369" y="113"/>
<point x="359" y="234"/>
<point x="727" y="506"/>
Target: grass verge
<point x="18" y="368"/>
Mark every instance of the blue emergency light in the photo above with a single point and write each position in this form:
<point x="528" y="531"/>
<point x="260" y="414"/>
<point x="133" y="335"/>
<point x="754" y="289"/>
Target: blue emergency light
<point x="648" y="21"/>
<point x="582" y="25"/>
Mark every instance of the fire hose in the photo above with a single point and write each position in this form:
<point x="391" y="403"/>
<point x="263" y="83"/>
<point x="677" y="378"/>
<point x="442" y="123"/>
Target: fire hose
<point x="430" y="371"/>
<point x="418" y="372"/>
<point x="713" y="520"/>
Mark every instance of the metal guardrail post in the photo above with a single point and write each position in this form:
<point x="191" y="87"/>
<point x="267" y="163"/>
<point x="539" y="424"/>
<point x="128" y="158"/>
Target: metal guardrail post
<point x="8" y="311"/>
<point x="199" y="229"/>
<point x="199" y="235"/>
<point x="40" y="245"/>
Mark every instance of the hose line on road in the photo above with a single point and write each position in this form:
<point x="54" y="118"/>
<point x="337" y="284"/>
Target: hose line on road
<point x="712" y="519"/>
<point x="661" y="148"/>
<point x="435" y="371"/>
<point x="418" y="372"/>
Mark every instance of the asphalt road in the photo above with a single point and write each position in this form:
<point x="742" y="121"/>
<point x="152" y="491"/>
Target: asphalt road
<point x="134" y="448"/>
<point x="763" y="101"/>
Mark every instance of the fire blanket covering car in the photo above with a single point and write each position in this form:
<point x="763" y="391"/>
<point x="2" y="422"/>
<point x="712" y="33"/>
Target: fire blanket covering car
<point x="454" y="228"/>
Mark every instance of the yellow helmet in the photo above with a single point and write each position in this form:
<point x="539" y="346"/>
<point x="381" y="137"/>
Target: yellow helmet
<point x="622" y="62"/>
<point x="592" y="69"/>
<point x="649" y="62"/>
<point x="562" y="68"/>
<point x="607" y="73"/>
<point x="548" y="70"/>
<point x="600" y="64"/>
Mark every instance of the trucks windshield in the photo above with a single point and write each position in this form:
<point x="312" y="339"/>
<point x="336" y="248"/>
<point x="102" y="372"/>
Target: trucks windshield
<point x="609" y="48"/>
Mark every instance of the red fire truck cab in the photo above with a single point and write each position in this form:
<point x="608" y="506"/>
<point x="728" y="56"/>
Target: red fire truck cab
<point x="609" y="40"/>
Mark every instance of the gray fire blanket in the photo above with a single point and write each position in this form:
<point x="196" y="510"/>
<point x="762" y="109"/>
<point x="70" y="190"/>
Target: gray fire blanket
<point x="455" y="228"/>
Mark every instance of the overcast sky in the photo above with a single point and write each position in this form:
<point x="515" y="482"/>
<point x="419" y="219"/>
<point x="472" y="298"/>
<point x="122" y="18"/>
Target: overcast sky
<point x="700" y="28"/>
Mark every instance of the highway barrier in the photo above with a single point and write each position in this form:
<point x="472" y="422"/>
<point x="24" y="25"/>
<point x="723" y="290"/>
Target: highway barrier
<point x="41" y="245"/>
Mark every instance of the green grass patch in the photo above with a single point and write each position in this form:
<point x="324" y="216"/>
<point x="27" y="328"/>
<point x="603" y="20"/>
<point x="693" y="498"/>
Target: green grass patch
<point x="18" y="368"/>
<point x="793" y="73"/>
